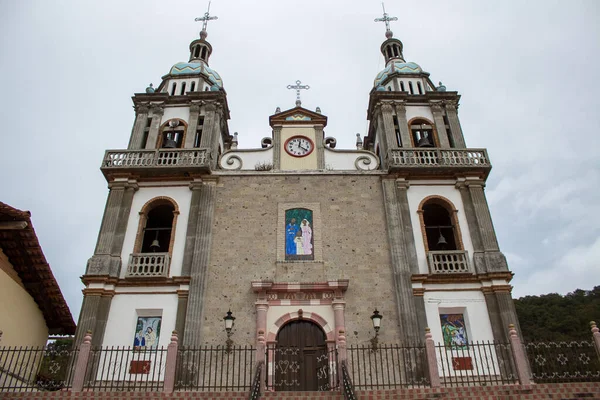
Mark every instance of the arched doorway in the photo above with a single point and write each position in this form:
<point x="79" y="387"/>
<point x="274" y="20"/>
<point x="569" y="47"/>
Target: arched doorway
<point x="301" y="361"/>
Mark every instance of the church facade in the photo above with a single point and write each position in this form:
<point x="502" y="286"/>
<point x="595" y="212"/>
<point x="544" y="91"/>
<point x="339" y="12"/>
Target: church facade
<point x="296" y="229"/>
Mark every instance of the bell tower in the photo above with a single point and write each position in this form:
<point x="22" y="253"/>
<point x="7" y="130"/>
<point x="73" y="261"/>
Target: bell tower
<point x="160" y="202"/>
<point x="435" y="184"/>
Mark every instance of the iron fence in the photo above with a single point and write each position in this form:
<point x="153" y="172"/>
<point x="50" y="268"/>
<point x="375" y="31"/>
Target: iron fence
<point x="387" y="367"/>
<point x="477" y="363"/>
<point x="563" y="361"/>
<point x="27" y="369"/>
<point x="215" y="368"/>
<point x="301" y="369"/>
<point x="125" y="369"/>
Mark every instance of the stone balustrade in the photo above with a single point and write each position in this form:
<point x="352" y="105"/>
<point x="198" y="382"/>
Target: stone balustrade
<point x="139" y="160"/>
<point x="448" y="262"/>
<point x="435" y="159"/>
<point x="148" y="265"/>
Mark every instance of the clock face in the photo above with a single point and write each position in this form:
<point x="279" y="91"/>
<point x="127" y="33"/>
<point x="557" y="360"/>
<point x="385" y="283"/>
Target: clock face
<point x="299" y="146"/>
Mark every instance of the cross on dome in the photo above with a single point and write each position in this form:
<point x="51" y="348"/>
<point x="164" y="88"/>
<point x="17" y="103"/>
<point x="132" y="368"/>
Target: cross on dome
<point x="298" y="86"/>
<point x="207" y="17"/>
<point x="386" y="18"/>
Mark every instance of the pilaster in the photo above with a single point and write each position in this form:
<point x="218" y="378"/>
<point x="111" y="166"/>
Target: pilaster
<point x="455" y="128"/>
<point x="277" y="148"/>
<point x="182" y="300"/>
<point x="157" y="113"/>
<point x="440" y="126"/>
<point x="203" y="195"/>
<point x="469" y="210"/>
<point x="137" y="133"/>
<point x="107" y="256"/>
<point x="93" y="317"/>
<point x="192" y="126"/>
<point x="403" y="124"/>
<point x="403" y="257"/>
<point x="482" y="213"/>
<point x="320" y="147"/>
<point x="388" y="126"/>
<point x="211" y="131"/>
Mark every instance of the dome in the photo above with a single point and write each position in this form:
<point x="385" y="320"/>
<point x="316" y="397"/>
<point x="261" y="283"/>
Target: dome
<point x="397" y="67"/>
<point x="197" y="69"/>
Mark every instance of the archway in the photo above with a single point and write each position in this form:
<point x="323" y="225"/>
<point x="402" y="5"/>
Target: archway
<point x="301" y="359"/>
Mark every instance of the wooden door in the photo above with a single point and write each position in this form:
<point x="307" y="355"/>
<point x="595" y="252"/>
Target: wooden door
<point x="300" y="356"/>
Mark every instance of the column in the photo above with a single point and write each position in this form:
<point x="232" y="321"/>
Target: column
<point x="137" y="134"/>
<point x="388" y="127"/>
<point x="320" y="148"/>
<point x="107" y="255"/>
<point x="192" y="126"/>
<point x="277" y="147"/>
<point x="469" y="210"/>
<point x="204" y="195"/>
<point x="455" y="129"/>
<point x="157" y="113"/>
<point x="403" y="124"/>
<point x="339" y="306"/>
<point x="440" y="125"/>
<point x="401" y="267"/>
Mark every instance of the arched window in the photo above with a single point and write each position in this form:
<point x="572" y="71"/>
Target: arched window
<point x="193" y="86"/>
<point x="197" y="51"/>
<point x="410" y="87"/>
<point x="402" y="86"/>
<point x="439" y="224"/>
<point x="420" y="88"/>
<point x="183" y="88"/>
<point x="173" y="88"/>
<point x="156" y="232"/>
<point x="422" y="133"/>
<point x="172" y="134"/>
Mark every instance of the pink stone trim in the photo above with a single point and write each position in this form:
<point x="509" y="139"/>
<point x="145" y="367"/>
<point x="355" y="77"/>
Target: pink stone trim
<point x="311" y="316"/>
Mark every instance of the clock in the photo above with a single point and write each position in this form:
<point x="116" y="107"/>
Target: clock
<point x="299" y="146"/>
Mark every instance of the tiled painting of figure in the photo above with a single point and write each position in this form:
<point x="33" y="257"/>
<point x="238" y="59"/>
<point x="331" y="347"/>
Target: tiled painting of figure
<point x="299" y="234"/>
<point x="147" y="333"/>
<point x="454" y="330"/>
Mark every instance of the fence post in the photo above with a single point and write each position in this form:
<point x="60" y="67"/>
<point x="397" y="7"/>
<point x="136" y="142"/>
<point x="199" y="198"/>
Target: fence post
<point x="342" y="355"/>
<point x="82" y="362"/>
<point x="171" y="364"/>
<point x="261" y="349"/>
<point x="434" y="373"/>
<point x="519" y="356"/>
<point x="596" y="335"/>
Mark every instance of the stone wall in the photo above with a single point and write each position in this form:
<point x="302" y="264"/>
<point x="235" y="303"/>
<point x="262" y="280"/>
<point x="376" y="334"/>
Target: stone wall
<point x="352" y="238"/>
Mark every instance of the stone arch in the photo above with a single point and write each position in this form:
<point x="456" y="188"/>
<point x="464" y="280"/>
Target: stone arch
<point x="300" y="315"/>
<point x="149" y="205"/>
<point x="164" y="126"/>
<point x="436" y="140"/>
<point x="452" y="211"/>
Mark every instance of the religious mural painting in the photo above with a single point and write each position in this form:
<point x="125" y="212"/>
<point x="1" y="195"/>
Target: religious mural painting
<point x="454" y="330"/>
<point x="299" y="234"/>
<point x="147" y="333"/>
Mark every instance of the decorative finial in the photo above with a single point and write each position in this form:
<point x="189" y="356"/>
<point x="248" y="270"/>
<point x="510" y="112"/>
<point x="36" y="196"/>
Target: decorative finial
<point x="359" y="142"/>
<point x="150" y="89"/>
<point x="277" y="110"/>
<point x="386" y="18"/>
<point x="441" y="87"/>
<point x="318" y="110"/>
<point x="207" y="17"/>
<point x="298" y="86"/>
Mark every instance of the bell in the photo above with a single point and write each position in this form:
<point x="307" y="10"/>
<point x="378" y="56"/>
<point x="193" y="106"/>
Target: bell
<point x="169" y="144"/>
<point x="424" y="142"/>
<point x="155" y="245"/>
<point x="441" y="243"/>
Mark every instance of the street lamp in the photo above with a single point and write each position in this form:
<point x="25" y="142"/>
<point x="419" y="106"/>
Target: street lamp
<point x="376" y="320"/>
<point x="229" y="322"/>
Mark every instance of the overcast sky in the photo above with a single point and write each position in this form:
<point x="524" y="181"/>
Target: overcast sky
<point x="528" y="73"/>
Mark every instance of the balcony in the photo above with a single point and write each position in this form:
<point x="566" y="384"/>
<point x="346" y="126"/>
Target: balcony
<point x="430" y="161"/>
<point x="448" y="262"/>
<point x="148" y="265"/>
<point x="156" y="161"/>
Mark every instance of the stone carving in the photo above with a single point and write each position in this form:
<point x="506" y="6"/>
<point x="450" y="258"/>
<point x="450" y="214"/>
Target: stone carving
<point x="266" y="142"/>
<point x="330" y="142"/>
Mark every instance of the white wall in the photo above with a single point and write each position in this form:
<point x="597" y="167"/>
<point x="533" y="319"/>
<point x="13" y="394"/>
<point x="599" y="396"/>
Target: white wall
<point x="469" y="303"/>
<point x="250" y="159"/>
<point x="183" y="197"/>
<point x="344" y="160"/>
<point x="325" y="311"/>
<point x="418" y="111"/>
<point x="125" y="309"/>
<point x="176" y="112"/>
<point x="417" y="191"/>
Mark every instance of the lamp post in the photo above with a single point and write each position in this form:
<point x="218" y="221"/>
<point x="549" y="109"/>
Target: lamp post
<point x="229" y="322"/>
<point x="376" y="320"/>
